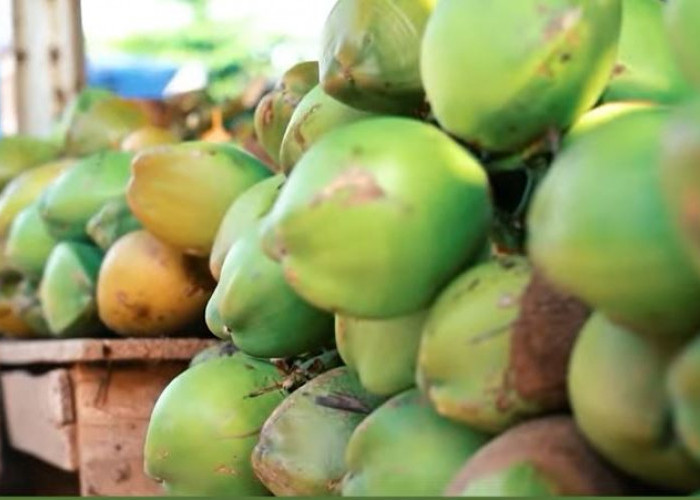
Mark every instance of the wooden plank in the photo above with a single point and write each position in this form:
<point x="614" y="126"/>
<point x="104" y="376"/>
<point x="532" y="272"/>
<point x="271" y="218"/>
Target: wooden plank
<point x="50" y="57"/>
<point x="26" y="352"/>
<point x="39" y="416"/>
<point x="113" y="408"/>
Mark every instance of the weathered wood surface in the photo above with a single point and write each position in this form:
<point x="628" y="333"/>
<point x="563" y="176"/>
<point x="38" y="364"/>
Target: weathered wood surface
<point x="31" y="352"/>
<point x="39" y="416"/>
<point x="113" y="407"/>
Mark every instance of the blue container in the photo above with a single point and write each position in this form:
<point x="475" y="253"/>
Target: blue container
<point x="130" y="77"/>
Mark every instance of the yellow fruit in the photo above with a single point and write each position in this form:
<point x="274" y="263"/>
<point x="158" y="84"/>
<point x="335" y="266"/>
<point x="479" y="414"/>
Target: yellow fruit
<point x="147" y="288"/>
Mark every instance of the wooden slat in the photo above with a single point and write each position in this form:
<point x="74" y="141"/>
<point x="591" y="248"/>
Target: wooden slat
<point x="23" y="352"/>
<point x="39" y="416"/>
<point x="113" y="408"/>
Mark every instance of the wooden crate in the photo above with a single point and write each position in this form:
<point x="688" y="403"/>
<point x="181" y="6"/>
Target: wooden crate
<point x="83" y="406"/>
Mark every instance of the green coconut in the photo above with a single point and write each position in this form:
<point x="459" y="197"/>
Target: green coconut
<point x="378" y="216"/>
<point x="19" y="153"/>
<point x="502" y="75"/>
<point x="646" y="67"/>
<point x="682" y="18"/>
<point x="680" y="176"/>
<point x="371" y="51"/>
<point x="67" y="290"/>
<point x="541" y="458"/>
<point x="79" y="193"/>
<point x="243" y="213"/>
<point x="219" y="350"/>
<point x="618" y="396"/>
<point x="302" y="445"/>
<point x="496" y="346"/>
<point x="684" y="388"/>
<point x="383" y="353"/>
<point x="98" y="120"/>
<point x="29" y="243"/>
<point x="26" y="188"/>
<point x="206" y="423"/>
<point x="111" y="222"/>
<point x="316" y="115"/>
<point x="613" y="244"/>
<point x="404" y="448"/>
<point x="275" y="109"/>
<point x="264" y="315"/>
<point x="181" y="193"/>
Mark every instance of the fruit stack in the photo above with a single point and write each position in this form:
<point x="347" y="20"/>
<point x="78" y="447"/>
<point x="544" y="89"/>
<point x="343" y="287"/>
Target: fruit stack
<point x="473" y="267"/>
<point x="476" y="271"/>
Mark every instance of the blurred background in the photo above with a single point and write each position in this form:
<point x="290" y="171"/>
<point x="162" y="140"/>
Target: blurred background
<point x="153" y="49"/>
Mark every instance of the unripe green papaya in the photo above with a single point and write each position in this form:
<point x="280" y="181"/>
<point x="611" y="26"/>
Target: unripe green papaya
<point x="680" y="176"/>
<point x="219" y="350"/>
<point x="275" y="109"/>
<point x="617" y="387"/>
<point x="301" y="450"/>
<point x="544" y="457"/>
<point x="316" y="115"/>
<point x="26" y="188"/>
<point x="19" y="153"/>
<point x="378" y="216"/>
<point x="265" y="316"/>
<point x="612" y="243"/>
<point x="244" y="212"/>
<point x="78" y="193"/>
<point x="404" y="448"/>
<point x="383" y="353"/>
<point x="479" y="361"/>
<point x="646" y="66"/>
<point x="546" y="64"/>
<point x="370" y="54"/>
<point x="97" y="120"/>
<point x="205" y="425"/>
<point x="67" y="290"/>
<point x="29" y="243"/>
<point x="684" y="388"/>
<point x="682" y="18"/>
<point x="180" y="193"/>
<point x="111" y="222"/>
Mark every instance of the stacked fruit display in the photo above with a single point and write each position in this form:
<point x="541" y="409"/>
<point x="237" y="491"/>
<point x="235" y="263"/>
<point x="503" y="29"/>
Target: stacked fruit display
<point x="473" y="270"/>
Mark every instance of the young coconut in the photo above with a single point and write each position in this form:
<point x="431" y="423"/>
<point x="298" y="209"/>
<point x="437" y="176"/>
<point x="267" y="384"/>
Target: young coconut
<point x="646" y="67"/>
<point x="378" y="216"/>
<point x="316" y="115"/>
<point x="302" y="445"/>
<point x="547" y="64"/>
<point x="147" y="288"/>
<point x="624" y="259"/>
<point x="682" y="18"/>
<point x="404" y="448"/>
<point x="275" y="109"/>
<point x="78" y="193"/>
<point x="67" y="290"/>
<point x="180" y="193"/>
<point x="383" y="353"/>
<point x="206" y="423"/>
<point x="496" y="346"/>
<point x="370" y="57"/>
<point x="29" y="243"/>
<point x="629" y="422"/>
<point x="243" y="213"/>
<point x="544" y="457"/>
<point x="19" y="153"/>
